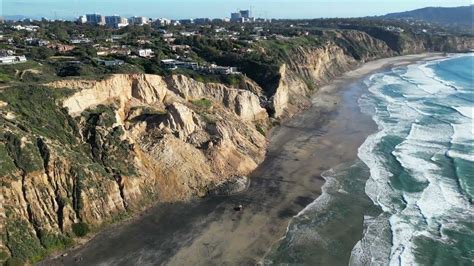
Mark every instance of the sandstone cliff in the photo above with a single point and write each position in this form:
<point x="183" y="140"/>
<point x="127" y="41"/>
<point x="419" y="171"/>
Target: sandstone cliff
<point x="129" y="141"/>
<point x="310" y="67"/>
<point x="307" y="68"/>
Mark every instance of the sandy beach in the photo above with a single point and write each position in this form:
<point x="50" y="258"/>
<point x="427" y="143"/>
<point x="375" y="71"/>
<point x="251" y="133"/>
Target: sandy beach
<point x="209" y="231"/>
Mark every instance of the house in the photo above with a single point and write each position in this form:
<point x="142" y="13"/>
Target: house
<point x="109" y="63"/>
<point x="80" y="41"/>
<point x="36" y="42"/>
<point x="169" y="64"/>
<point x="6" y="60"/>
<point x="104" y="51"/>
<point x="172" y="64"/>
<point x="175" y="48"/>
<point x="4" y="53"/>
<point x="187" y="33"/>
<point x="222" y="70"/>
<point x="145" y="53"/>
<point x="62" y="48"/>
<point x="30" y="28"/>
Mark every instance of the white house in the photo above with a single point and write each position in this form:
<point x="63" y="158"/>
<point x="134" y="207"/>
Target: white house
<point x="145" y="53"/>
<point x="12" y="59"/>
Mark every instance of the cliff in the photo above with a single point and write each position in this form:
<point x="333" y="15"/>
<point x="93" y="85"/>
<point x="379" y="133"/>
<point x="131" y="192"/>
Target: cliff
<point x="114" y="147"/>
<point x="306" y="68"/>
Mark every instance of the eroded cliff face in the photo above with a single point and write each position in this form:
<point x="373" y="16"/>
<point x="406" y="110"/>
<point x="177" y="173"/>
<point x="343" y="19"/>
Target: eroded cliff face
<point x="309" y="68"/>
<point x="130" y="141"/>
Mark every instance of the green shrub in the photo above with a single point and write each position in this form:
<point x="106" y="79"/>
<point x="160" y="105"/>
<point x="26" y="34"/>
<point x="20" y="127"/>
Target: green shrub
<point x="36" y="109"/>
<point x="7" y="166"/>
<point x="55" y="242"/>
<point x="14" y="262"/>
<point x="22" y="244"/>
<point x="203" y="103"/>
<point x="260" y="130"/>
<point x="80" y="229"/>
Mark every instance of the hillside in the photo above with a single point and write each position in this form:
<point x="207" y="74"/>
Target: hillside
<point x="461" y="17"/>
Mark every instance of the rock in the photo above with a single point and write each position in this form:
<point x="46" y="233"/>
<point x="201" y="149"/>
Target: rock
<point x="238" y="207"/>
<point x="231" y="187"/>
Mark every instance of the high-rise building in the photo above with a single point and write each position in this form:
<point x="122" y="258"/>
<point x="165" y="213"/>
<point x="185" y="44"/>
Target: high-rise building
<point x="236" y="17"/>
<point x="186" y="21"/>
<point x="95" y="19"/>
<point x="162" y="22"/>
<point x="82" y="19"/>
<point x="116" y="21"/>
<point x="242" y="16"/>
<point x="202" y="21"/>
<point x="245" y="14"/>
<point x="138" y="21"/>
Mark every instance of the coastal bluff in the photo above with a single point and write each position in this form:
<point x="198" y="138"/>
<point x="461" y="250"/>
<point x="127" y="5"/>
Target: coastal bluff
<point x="87" y="153"/>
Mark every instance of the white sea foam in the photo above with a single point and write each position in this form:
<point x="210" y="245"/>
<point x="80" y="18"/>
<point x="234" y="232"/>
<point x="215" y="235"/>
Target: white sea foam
<point x="460" y="155"/>
<point x="439" y="201"/>
<point x="463" y="133"/>
<point x="467" y="111"/>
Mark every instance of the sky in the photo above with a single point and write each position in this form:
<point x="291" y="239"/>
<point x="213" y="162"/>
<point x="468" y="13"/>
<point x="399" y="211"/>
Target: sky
<point x="175" y="9"/>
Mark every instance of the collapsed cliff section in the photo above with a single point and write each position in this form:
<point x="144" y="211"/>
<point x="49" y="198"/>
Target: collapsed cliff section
<point x="77" y="154"/>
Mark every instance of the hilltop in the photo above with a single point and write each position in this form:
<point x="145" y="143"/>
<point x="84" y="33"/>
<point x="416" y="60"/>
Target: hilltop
<point x="452" y="17"/>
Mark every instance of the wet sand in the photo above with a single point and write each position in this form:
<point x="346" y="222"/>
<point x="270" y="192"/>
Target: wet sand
<point x="210" y="231"/>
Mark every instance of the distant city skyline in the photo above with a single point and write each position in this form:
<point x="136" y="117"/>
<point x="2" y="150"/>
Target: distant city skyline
<point x="176" y="9"/>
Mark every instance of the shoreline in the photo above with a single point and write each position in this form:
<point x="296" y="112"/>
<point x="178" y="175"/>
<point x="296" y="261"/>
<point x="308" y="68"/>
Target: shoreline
<point x="209" y="229"/>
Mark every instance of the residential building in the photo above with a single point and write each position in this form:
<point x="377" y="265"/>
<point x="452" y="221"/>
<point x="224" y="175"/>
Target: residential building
<point x="140" y="21"/>
<point x="145" y="53"/>
<point x="36" y="42"/>
<point x="245" y="14"/>
<point x="116" y="21"/>
<point x="220" y="20"/>
<point x="105" y="51"/>
<point x="186" y="21"/>
<point x="163" y="22"/>
<point x="95" y="19"/>
<point x="176" y="48"/>
<point x="172" y="64"/>
<point x="187" y="33"/>
<point x="109" y="63"/>
<point x="202" y="21"/>
<point x="8" y="52"/>
<point x="31" y="28"/>
<point x="82" y="19"/>
<point x="175" y="22"/>
<point x="235" y="17"/>
<point x="12" y="59"/>
<point x="242" y="16"/>
<point x="61" y="48"/>
<point x="80" y="41"/>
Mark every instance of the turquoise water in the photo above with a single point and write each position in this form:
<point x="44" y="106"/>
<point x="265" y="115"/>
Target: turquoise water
<point x="409" y="199"/>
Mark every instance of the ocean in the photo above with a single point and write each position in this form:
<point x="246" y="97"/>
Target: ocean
<point x="408" y="198"/>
